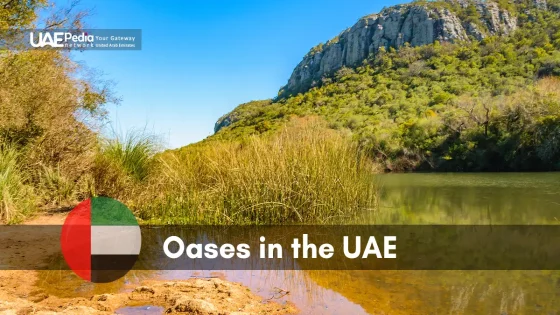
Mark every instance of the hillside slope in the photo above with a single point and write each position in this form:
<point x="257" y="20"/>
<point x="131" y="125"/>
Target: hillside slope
<point x="416" y="24"/>
<point x="457" y="100"/>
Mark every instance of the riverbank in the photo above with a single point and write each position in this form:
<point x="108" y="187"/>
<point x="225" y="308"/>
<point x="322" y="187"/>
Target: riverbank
<point x="483" y="198"/>
<point x="25" y="292"/>
<point x="193" y="296"/>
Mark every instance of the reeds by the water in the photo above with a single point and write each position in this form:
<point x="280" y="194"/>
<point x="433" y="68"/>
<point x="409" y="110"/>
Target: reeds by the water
<point x="304" y="174"/>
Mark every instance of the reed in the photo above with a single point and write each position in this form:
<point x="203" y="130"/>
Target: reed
<point x="16" y="197"/>
<point x="302" y="174"/>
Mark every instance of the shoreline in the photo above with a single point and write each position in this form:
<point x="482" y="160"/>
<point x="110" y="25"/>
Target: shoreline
<point x="21" y="291"/>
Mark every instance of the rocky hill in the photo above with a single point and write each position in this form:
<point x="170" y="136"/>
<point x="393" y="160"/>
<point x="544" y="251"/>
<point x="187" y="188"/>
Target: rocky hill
<point x="415" y="24"/>
<point x="441" y="85"/>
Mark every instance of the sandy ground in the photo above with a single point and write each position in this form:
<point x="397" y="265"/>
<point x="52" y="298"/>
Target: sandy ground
<point x="20" y="293"/>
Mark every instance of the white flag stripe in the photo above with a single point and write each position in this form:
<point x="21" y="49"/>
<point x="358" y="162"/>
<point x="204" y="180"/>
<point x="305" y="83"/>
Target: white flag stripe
<point x="115" y="240"/>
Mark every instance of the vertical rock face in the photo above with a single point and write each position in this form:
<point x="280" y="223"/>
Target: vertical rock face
<point x="415" y="24"/>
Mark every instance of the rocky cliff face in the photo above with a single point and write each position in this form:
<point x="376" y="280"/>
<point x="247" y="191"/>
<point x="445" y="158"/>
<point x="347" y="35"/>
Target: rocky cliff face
<point x="416" y="24"/>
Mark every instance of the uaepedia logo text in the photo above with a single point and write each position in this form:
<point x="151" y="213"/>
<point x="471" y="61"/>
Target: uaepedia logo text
<point x="58" y="39"/>
<point x="84" y="39"/>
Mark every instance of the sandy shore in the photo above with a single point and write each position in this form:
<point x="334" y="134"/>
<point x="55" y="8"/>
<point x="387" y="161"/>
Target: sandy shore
<point x="20" y="293"/>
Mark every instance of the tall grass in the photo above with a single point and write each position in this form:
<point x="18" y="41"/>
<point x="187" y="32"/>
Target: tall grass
<point x="16" y="197"/>
<point x="304" y="174"/>
<point x="133" y="152"/>
<point x="124" y="163"/>
<point x="56" y="189"/>
<point x="119" y="168"/>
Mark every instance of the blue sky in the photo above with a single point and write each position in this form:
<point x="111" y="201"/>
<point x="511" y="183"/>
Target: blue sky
<point x="201" y="58"/>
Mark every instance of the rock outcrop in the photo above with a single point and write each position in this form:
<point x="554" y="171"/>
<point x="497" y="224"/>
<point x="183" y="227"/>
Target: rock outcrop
<point x="416" y="24"/>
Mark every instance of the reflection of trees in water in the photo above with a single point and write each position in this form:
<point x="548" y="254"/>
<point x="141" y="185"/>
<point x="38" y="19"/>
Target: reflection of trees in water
<point x="392" y="292"/>
<point x="446" y="292"/>
<point x="506" y="292"/>
<point x="467" y="205"/>
<point x="300" y="286"/>
<point x="66" y="284"/>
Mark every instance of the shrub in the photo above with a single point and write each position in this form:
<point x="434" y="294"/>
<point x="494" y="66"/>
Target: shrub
<point x="56" y="189"/>
<point x="123" y="162"/>
<point x="133" y="152"/>
<point x="16" y="197"/>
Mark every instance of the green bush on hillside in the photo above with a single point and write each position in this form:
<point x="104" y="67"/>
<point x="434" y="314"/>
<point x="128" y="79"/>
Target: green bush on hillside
<point x="469" y="106"/>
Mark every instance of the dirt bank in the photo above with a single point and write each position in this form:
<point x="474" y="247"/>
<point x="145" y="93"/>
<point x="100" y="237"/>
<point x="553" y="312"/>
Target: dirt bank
<point x="24" y="292"/>
<point x="195" y="296"/>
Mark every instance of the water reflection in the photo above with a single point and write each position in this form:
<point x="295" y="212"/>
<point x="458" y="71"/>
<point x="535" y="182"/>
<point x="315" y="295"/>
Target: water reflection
<point x="447" y="292"/>
<point x="516" y="198"/>
<point x="140" y="310"/>
<point x="407" y="199"/>
<point x="366" y="292"/>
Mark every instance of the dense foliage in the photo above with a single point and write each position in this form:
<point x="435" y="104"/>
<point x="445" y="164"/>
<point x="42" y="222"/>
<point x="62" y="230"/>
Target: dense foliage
<point x="50" y="108"/>
<point x="304" y="174"/>
<point x="492" y="105"/>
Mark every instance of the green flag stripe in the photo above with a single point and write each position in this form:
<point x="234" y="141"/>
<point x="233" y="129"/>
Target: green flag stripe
<point x="107" y="211"/>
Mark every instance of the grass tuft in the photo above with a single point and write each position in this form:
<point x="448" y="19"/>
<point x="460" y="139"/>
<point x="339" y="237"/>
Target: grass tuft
<point x="56" y="189"/>
<point x="123" y="164"/>
<point x="16" y="197"/>
<point x="304" y="174"/>
<point x="133" y="152"/>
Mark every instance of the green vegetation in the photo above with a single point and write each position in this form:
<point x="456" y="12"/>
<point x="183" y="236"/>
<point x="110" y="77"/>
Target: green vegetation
<point x="49" y="113"/>
<point x="52" y="156"/>
<point x="15" y="195"/>
<point x="466" y="9"/>
<point x="15" y="14"/>
<point x="471" y="106"/>
<point x="134" y="153"/>
<point x="304" y="174"/>
<point x="308" y="158"/>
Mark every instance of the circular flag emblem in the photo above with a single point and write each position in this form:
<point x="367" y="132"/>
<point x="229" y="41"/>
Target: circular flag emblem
<point x="100" y="240"/>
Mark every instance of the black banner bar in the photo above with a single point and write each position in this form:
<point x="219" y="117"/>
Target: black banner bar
<point x="416" y="247"/>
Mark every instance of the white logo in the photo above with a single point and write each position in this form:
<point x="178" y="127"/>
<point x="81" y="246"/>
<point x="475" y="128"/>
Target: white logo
<point x="58" y="39"/>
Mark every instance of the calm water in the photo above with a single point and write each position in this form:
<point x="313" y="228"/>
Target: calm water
<point x="414" y="199"/>
<point x="513" y="198"/>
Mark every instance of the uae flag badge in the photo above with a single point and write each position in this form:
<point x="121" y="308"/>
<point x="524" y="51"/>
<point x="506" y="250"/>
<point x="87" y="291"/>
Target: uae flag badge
<point x="101" y="240"/>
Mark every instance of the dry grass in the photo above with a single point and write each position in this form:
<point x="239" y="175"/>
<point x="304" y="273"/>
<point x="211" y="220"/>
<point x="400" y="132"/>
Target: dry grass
<point x="304" y="174"/>
<point x="52" y="157"/>
<point x="16" y="197"/>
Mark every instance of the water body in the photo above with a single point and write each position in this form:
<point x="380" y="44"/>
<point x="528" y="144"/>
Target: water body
<point x="487" y="198"/>
<point x="141" y="310"/>
<point x="417" y="199"/>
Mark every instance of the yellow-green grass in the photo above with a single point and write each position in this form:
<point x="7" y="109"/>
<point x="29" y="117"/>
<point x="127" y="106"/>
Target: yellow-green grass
<point x="303" y="174"/>
<point x="16" y="197"/>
